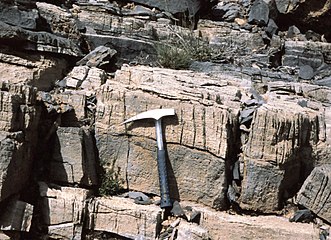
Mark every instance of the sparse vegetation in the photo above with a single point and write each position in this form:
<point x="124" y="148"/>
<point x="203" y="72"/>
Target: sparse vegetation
<point x="111" y="182"/>
<point x="182" y="48"/>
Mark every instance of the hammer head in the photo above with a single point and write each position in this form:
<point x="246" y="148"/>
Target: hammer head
<point x="154" y="114"/>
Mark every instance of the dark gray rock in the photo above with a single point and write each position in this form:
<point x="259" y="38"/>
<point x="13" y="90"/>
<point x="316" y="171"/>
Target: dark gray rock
<point x="177" y="210"/>
<point x="293" y="31"/>
<point x="315" y="193"/>
<point x="299" y="53"/>
<point x="304" y="215"/>
<point x="38" y="41"/>
<point x="191" y="214"/>
<point x="271" y="28"/>
<point x="310" y="14"/>
<point x="253" y="195"/>
<point x="128" y="50"/>
<point x="173" y="6"/>
<point x="306" y="72"/>
<point x="227" y="11"/>
<point x="98" y="57"/>
<point x="14" y="16"/>
<point x="323" y="82"/>
<point x="313" y="36"/>
<point x="259" y="13"/>
<point x="73" y="160"/>
<point x="139" y="197"/>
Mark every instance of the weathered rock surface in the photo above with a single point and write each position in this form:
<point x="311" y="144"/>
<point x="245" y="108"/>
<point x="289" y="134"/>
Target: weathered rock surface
<point x="73" y="158"/>
<point x="316" y="191"/>
<point x="123" y="217"/>
<point x="18" y="123"/>
<point x="198" y="136"/>
<point x="38" y="41"/>
<point x="84" y="77"/>
<point x="34" y="69"/>
<point x="278" y="150"/>
<point x="248" y="131"/>
<point x="59" y="20"/>
<point x="13" y="15"/>
<point x="61" y="209"/>
<point x="172" y="6"/>
<point x="221" y="225"/>
<point x="98" y="57"/>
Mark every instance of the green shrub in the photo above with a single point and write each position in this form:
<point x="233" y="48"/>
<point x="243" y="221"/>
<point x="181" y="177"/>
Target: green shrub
<point x="111" y="182"/>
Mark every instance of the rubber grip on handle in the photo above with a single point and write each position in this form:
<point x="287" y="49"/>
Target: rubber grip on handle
<point x="163" y="179"/>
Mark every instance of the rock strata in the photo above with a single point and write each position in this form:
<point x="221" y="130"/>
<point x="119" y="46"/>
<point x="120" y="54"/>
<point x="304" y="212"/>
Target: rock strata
<point x="251" y="134"/>
<point x="315" y="192"/>
<point x="196" y="128"/>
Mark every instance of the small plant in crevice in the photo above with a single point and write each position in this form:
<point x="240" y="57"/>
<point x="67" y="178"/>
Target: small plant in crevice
<point x="111" y="182"/>
<point x="181" y="48"/>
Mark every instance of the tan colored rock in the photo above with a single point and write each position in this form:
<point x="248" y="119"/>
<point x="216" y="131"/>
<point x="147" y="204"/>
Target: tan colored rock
<point x="17" y="111"/>
<point x="84" y="77"/>
<point x="36" y="70"/>
<point x="62" y="210"/>
<point x="277" y="154"/>
<point x="198" y="137"/>
<point x="62" y="204"/>
<point x="222" y="225"/>
<point x="4" y="236"/>
<point x="222" y="35"/>
<point x="123" y="217"/>
<point x="65" y="231"/>
<point x="191" y="231"/>
<point x="59" y="20"/>
<point x="317" y="98"/>
<point x="316" y="191"/>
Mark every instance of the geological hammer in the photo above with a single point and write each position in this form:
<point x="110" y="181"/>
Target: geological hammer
<point x="157" y="115"/>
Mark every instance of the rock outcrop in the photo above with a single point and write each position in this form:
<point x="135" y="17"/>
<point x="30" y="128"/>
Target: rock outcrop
<point x="315" y="192"/>
<point x="199" y="138"/>
<point x="251" y="134"/>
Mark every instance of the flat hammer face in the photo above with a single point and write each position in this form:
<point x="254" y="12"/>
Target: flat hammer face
<point x="157" y="114"/>
<point x="154" y="114"/>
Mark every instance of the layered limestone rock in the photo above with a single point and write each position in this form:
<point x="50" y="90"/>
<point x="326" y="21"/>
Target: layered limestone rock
<point x="19" y="118"/>
<point x="123" y="217"/>
<point x="61" y="210"/>
<point x="34" y="69"/>
<point x="59" y="20"/>
<point x="73" y="157"/>
<point x="316" y="191"/>
<point x="250" y="100"/>
<point x="38" y="41"/>
<point x="200" y="137"/>
<point x="221" y="225"/>
<point x="277" y="154"/>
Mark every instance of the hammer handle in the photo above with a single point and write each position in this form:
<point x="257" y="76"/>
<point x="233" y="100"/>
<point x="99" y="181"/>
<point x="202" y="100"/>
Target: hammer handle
<point x="163" y="179"/>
